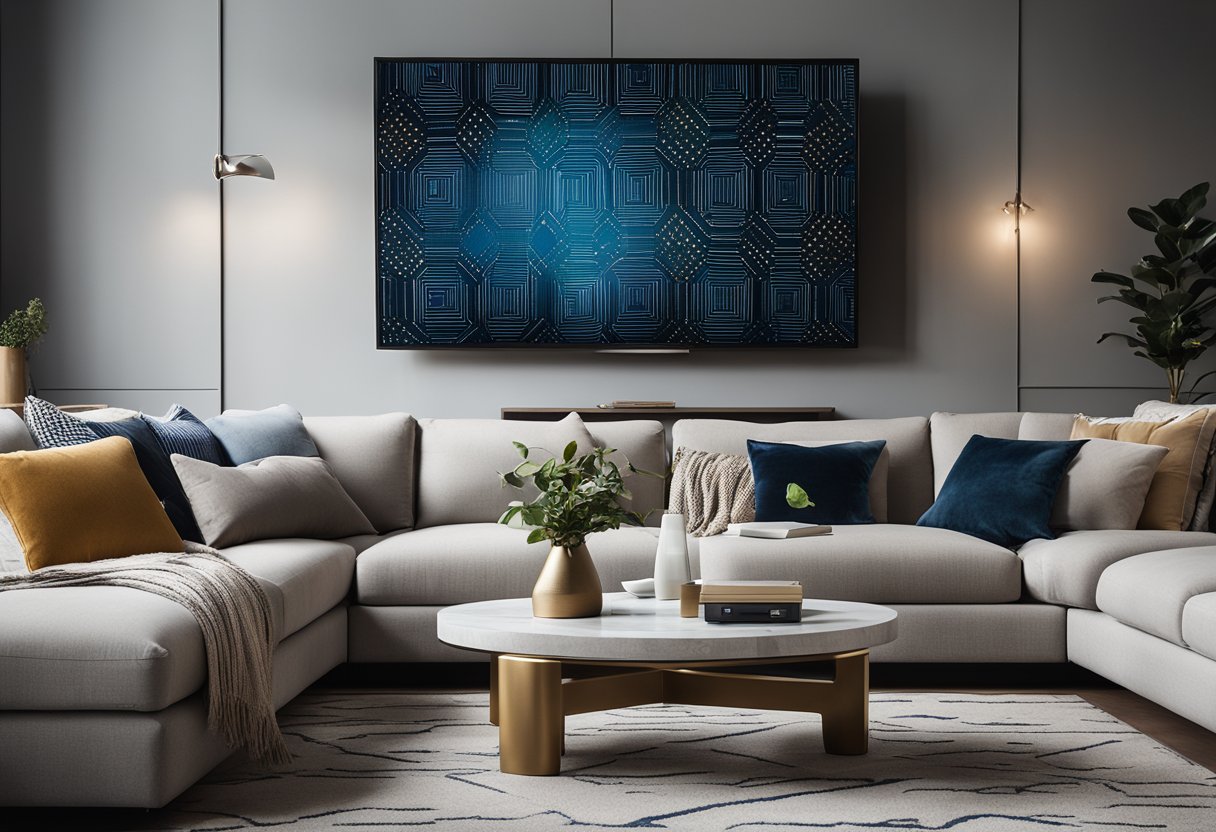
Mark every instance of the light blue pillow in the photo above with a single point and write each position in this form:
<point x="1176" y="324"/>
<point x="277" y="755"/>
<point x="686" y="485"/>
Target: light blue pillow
<point x="248" y="435"/>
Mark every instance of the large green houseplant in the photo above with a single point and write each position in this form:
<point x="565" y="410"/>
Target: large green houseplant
<point x="578" y="495"/>
<point x="1172" y="290"/>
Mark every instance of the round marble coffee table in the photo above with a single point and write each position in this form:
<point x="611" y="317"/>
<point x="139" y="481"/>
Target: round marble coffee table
<point x="663" y="658"/>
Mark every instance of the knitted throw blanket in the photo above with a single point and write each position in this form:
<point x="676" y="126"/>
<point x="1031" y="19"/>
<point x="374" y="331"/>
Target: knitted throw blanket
<point x="234" y="614"/>
<point x="712" y="490"/>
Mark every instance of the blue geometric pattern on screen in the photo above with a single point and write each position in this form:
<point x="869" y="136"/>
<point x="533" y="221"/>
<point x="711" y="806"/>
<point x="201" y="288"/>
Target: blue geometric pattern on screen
<point x="660" y="203"/>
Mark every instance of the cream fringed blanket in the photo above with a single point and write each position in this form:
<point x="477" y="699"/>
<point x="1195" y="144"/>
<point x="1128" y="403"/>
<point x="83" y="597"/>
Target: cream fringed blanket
<point x="712" y="490"/>
<point x="234" y="614"/>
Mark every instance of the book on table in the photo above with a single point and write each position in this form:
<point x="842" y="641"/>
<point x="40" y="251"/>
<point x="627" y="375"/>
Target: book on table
<point x="751" y="592"/>
<point x="777" y="529"/>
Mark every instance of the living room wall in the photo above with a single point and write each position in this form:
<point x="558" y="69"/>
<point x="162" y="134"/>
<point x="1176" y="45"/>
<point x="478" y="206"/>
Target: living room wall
<point x="939" y="303"/>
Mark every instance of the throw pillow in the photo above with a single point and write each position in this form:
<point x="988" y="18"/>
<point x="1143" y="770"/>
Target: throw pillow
<point x="248" y="435"/>
<point x="113" y="511"/>
<point x="279" y="496"/>
<point x="1105" y="486"/>
<point x="1156" y="411"/>
<point x="1002" y="490"/>
<point x="53" y="428"/>
<point x="181" y="432"/>
<point x="837" y="478"/>
<point x="1172" y="497"/>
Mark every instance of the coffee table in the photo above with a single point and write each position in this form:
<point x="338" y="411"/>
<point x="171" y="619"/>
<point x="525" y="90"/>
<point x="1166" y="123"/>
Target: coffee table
<point x="662" y="657"/>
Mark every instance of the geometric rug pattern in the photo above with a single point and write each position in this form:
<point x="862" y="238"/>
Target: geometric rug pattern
<point x="659" y="203"/>
<point x="937" y="761"/>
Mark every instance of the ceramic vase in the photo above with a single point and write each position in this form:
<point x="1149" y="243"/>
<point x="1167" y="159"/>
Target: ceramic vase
<point x="568" y="586"/>
<point x="671" y="567"/>
<point x="12" y="375"/>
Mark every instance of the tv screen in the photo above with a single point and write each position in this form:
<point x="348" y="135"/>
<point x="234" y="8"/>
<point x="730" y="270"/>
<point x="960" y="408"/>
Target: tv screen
<point x="611" y="203"/>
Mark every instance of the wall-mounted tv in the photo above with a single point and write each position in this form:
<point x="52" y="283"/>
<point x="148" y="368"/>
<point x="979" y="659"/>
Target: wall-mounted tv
<point x="618" y="204"/>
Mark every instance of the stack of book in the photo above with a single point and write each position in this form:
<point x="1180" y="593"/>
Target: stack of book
<point x="732" y="602"/>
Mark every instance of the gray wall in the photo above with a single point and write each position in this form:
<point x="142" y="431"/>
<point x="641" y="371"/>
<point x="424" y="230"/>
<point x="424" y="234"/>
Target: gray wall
<point x="938" y="301"/>
<point x="107" y="207"/>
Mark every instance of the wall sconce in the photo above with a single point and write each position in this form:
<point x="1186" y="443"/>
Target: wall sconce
<point x="248" y="165"/>
<point x="1017" y="209"/>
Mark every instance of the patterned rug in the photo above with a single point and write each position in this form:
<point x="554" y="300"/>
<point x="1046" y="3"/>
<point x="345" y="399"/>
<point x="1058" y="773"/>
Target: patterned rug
<point x="937" y="761"/>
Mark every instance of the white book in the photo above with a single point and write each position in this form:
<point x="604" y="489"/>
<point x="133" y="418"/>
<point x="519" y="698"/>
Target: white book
<point x="777" y="529"/>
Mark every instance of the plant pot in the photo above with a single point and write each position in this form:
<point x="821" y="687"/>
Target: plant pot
<point x="13" y="380"/>
<point x="568" y="586"/>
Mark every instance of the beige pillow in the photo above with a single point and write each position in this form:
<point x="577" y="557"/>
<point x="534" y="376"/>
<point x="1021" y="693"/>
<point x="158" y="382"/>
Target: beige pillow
<point x="279" y="496"/>
<point x="1105" y="485"/>
<point x="1174" y="493"/>
<point x="1157" y="411"/>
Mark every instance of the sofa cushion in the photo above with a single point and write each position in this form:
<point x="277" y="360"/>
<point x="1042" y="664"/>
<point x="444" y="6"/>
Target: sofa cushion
<point x="114" y="648"/>
<point x="1066" y="570"/>
<point x="481" y="561"/>
<point x="644" y="443"/>
<point x="461" y="459"/>
<point x="362" y="542"/>
<point x="950" y="432"/>
<point x="1199" y="624"/>
<point x="14" y="435"/>
<point x="1046" y="426"/>
<point x="910" y="479"/>
<point x="373" y="457"/>
<point x="103" y="648"/>
<point x="881" y="563"/>
<point x="304" y="578"/>
<point x="1149" y="591"/>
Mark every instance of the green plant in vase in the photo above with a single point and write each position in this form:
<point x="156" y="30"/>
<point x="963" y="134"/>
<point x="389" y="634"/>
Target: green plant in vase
<point x="578" y="495"/>
<point x="22" y="329"/>
<point x="1171" y="290"/>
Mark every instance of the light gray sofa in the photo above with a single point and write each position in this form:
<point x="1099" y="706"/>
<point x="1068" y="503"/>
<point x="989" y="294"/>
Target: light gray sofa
<point x="101" y="699"/>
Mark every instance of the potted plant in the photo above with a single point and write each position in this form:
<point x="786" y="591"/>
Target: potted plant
<point x="578" y="495"/>
<point x="1171" y="290"/>
<point x="19" y="331"/>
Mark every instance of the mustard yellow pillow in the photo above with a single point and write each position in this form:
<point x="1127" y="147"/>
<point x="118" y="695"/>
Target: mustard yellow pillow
<point x="1179" y="478"/>
<point x="82" y="503"/>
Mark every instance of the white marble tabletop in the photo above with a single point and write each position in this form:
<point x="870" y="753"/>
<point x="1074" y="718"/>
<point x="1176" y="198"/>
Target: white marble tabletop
<point x="644" y="629"/>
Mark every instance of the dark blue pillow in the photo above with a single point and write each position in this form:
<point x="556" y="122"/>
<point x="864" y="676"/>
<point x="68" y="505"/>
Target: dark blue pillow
<point x="157" y="469"/>
<point x="836" y="478"/>
<point x="1002" y="490"/>
<point x="181" y="432"/>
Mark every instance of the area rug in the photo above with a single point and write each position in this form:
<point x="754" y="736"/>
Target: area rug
<point x="937" y="761"/>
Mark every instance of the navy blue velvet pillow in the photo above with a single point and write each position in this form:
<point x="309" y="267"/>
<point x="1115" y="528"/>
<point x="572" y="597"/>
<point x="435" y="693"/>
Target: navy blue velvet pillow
<point x="1002" y="490"/>
<point x="157" y="469"/>
<point x="836" y="478"/>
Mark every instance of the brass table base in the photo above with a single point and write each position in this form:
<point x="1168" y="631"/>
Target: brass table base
<point x="529" y="699"/>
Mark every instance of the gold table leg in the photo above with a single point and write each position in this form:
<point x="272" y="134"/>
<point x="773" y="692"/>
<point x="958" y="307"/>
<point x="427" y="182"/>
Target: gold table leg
<point x="530" y="716"/>
<point x="529" y="701"/>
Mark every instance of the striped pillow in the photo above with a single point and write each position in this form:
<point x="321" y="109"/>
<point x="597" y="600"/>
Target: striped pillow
<point x="181" y="432"/>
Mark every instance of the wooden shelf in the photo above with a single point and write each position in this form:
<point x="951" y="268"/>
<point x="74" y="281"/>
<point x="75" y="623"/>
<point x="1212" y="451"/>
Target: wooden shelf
<point x="745" y="414"/>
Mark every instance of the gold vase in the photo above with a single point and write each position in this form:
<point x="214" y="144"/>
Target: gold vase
<point x="12" y="375"/>
<point x="568" y="586"/>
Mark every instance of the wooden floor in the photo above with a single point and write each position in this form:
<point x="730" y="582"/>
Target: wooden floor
<point x="1163" y="725"/>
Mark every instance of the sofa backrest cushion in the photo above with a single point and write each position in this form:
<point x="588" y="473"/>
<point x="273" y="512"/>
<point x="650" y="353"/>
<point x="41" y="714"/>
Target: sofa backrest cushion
<point x="910" y="480"/>
<point x="460" y="460"/>
<point x="375" y="459"/>
<point x="949" y="433"/>
<point x="644" y="443"/>
<point x="14" y="435"/>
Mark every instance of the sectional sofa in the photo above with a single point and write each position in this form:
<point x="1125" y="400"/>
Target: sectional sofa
<point x="101" y="688"/>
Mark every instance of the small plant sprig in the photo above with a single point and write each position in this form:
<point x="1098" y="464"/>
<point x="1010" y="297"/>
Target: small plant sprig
<point x="578" y="495"/>
<point x="796" y="496"/>
<point x="24" y="327"/>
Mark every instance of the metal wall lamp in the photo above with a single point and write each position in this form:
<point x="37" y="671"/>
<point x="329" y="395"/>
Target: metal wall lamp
<point x="247" y="165"/>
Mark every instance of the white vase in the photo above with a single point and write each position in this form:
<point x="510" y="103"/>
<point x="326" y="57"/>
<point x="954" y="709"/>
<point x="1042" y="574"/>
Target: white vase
<point x="671" y="567"/>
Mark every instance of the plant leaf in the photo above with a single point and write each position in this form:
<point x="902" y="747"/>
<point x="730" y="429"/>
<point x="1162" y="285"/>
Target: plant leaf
<point x="522" y="448"/>
<point x="1168" y="248"/>
<point x="1131" y="340"/>
<point x="568" y="453"/>
<point x="1110" y="277"/>
<point x="796" y="496"/>
<point x="1170" y="210"/>
<point x="1194" y="198"/>
<point x="1142" y="218"/>
<point x="527" y="468"/>
<point x="537" y="535"/>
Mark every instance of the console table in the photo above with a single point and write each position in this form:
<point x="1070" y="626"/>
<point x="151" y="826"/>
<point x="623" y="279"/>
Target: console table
<point x="744" y="414"/>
